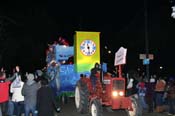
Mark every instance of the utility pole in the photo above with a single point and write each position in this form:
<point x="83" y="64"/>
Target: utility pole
<point x="146" y="36"/>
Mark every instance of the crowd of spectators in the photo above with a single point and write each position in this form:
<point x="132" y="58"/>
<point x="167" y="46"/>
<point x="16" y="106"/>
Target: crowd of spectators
<point x="156" y="93"/>
<point x="25" y="94"/>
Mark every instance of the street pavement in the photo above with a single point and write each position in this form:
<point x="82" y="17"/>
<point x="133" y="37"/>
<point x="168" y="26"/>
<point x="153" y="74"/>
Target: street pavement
<point x="69" y="109"/>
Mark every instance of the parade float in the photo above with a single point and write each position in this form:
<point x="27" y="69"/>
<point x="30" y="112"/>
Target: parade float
<point x="65" y="63"/>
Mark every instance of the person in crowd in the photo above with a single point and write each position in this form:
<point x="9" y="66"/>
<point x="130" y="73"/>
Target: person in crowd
<point x="17" y="97"/>
<point x="154" y="77"/>
<point x="93" y="76"/>
<point x="46" y="102"/>
<point x="38" y="75"/>
<point x="4" y="91"/>
<point x="29" y="91"/>
<point x="160" y="89"/>
<point x="171" y="96"/>
<point x="53" y="74"/>
<point x="150" y="86"/>
<point x="132" y="83"/>
<point x="141" y="93"/>
<point x="130" y="86"/>
<point x="10" y="106"/>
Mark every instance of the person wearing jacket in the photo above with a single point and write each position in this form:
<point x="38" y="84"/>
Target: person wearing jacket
<point x="150" y="86"/>
<point x="4" y="91"/>
<point x="141" y="93"/>
<point x="46" y="102"/>
<point x="159" y="91"/>
<point x="93" y="77"/>
<point x="29" y="91"/>
<point x="171" y="97"/>
<point x="17" y="97"/>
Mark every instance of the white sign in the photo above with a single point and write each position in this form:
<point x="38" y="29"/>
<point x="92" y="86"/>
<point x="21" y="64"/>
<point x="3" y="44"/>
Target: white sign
<point x="143" y="56"/>
<point x="120" y="56"/>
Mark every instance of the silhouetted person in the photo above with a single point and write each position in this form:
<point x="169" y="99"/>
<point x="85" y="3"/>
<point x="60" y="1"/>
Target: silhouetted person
<point x="46" y="102"/>
<point x="93" y="76"/>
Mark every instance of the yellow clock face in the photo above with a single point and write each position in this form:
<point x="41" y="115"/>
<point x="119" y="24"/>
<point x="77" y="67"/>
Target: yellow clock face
<point x="88" y="47"/>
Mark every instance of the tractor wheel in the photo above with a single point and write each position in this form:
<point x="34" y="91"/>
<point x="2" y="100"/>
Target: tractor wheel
<point x="96" y="108"/>
<point x="137" y="111"/>
<point x="81" y="97"/>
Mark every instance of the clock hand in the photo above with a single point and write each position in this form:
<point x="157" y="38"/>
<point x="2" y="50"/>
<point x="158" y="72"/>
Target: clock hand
<point x="88" y="46"/>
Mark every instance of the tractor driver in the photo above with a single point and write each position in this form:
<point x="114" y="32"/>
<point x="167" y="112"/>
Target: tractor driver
<point x="93" y="77"/>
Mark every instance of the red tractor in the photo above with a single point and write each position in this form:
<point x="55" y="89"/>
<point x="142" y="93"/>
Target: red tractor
<point x="110" y="92"/>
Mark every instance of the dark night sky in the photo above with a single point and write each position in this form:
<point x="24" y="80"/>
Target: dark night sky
<point x="26" y="28"/>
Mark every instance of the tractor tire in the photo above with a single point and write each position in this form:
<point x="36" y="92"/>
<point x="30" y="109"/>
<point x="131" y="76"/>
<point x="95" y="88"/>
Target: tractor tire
<point x="137" y="109"/>
<point x="81" y="97"/>
<point x="96" y="108"/>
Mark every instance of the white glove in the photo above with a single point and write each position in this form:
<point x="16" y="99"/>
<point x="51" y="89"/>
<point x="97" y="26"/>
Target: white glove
<point x="58" y="109"/>
<point x="173" y="15"/>
<point x="173" y="12"/>
<point x="36" y="112"/>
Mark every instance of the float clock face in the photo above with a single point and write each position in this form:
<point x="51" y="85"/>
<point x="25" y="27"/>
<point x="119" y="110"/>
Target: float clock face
<point x="88" y="47"/>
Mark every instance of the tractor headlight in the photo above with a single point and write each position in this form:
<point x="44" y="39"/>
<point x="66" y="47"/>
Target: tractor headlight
<point x="121" y="93"/>
<point x="114" y="93"/>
